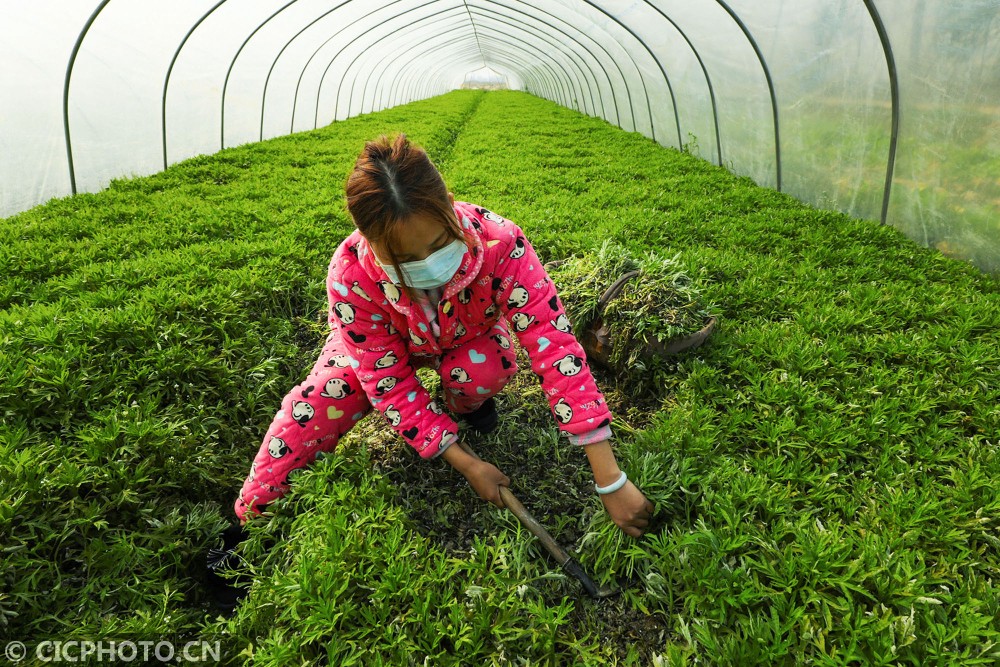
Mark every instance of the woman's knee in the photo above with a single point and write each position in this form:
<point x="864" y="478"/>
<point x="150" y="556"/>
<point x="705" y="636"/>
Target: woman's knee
<point x="474" y="373"/>
<point x="293" y="446"/>
<point x="483" y="362"/>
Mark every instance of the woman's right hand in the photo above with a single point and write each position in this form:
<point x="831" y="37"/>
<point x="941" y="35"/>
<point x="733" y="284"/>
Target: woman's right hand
<point x="485" y="478"/>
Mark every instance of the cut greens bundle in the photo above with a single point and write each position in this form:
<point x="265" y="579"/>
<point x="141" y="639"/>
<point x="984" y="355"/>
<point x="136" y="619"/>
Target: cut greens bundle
<point x="630" y="327"/>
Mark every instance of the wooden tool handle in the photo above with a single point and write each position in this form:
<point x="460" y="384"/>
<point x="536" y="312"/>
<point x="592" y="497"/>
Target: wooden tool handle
<point x="515" y="506"/>
<point x="568" y="564"/>
<point x="511" y="502"/>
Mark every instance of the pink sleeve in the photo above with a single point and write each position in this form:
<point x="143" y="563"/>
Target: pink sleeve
<point x="589" y="438"/>
<point x="528" y="299"/>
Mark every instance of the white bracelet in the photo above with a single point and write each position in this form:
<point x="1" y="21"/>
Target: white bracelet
<point x="614" y="486"/>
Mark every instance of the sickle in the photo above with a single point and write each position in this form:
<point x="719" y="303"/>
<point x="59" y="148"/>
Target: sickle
<point x="568" y="563"/>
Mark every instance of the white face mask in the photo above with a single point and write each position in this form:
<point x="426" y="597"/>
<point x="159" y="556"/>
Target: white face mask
<point x="433" y="271"/>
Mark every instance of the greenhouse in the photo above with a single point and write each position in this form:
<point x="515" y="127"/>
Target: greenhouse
<point x="815" y="185"/>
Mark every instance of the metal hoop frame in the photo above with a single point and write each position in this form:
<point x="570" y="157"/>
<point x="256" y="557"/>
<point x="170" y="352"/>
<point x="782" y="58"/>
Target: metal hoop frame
<point x="770" y="86"/>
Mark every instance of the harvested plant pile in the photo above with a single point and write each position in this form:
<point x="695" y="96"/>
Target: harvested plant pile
<point x="658" y="305"/>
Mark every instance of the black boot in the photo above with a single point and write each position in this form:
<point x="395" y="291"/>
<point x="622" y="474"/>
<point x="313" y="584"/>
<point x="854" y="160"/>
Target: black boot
<point x="484" y="418"/>
<point x="227" y="592"/>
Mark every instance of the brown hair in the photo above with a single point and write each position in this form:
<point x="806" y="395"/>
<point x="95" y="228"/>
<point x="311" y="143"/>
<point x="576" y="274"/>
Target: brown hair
<point x="392" y="180"/>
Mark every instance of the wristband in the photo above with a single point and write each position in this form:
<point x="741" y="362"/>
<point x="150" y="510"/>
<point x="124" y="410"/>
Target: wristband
<point x="614" y="486"/>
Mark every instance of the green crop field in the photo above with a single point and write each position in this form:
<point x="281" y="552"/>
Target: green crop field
<point x="824" y="469"/>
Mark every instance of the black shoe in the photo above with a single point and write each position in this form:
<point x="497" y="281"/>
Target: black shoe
<point x="227" y="592"/>
<point x="484" y="418"/>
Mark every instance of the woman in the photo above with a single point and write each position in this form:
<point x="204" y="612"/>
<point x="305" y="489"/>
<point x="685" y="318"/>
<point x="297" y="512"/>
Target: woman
<point x="426" y="281"/>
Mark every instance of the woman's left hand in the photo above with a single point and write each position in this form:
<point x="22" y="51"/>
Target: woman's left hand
<point x="629" y="509"/>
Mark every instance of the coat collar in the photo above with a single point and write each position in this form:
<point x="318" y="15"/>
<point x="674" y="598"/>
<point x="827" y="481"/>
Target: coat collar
<point x="471" y="264"/>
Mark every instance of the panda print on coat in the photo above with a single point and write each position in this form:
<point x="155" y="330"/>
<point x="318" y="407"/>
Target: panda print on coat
<point x="502" y="341"/>
<point x="564" y="413"/>
<point x="302" y="412"/>
<point x="384" y="385"/>
<point x="339" y="361"/>
<point x="569" y="365"/>
<point x="435" y="408"/>
<point x="392" y="414"/>
<point x="345" y="312"/>
<point x="390" y="291"/>
<point x="417" y="340"/>
<point x="277" y="447"/>
<point x="518" y="251"/>
<point x="490" y="215"/>
<point x="518" y="298"/>
<point x="460" y="375"/>
<point x="356" y="288"/>
<point x="521" y="321"/>
<point x="561" y="323"/>
<point x="387" y="360"/>
<point x="336" y="388"/>
<point x="459" y="330"/>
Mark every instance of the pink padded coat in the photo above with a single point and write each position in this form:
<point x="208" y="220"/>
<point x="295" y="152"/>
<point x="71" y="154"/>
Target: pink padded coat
<point x="500" y="285"/>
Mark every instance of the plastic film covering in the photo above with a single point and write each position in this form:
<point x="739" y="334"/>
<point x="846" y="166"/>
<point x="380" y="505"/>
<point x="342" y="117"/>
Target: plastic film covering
<point x="946" y="185"/>
<point x="884" y="109"/>
<point x="832" y="90"/>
